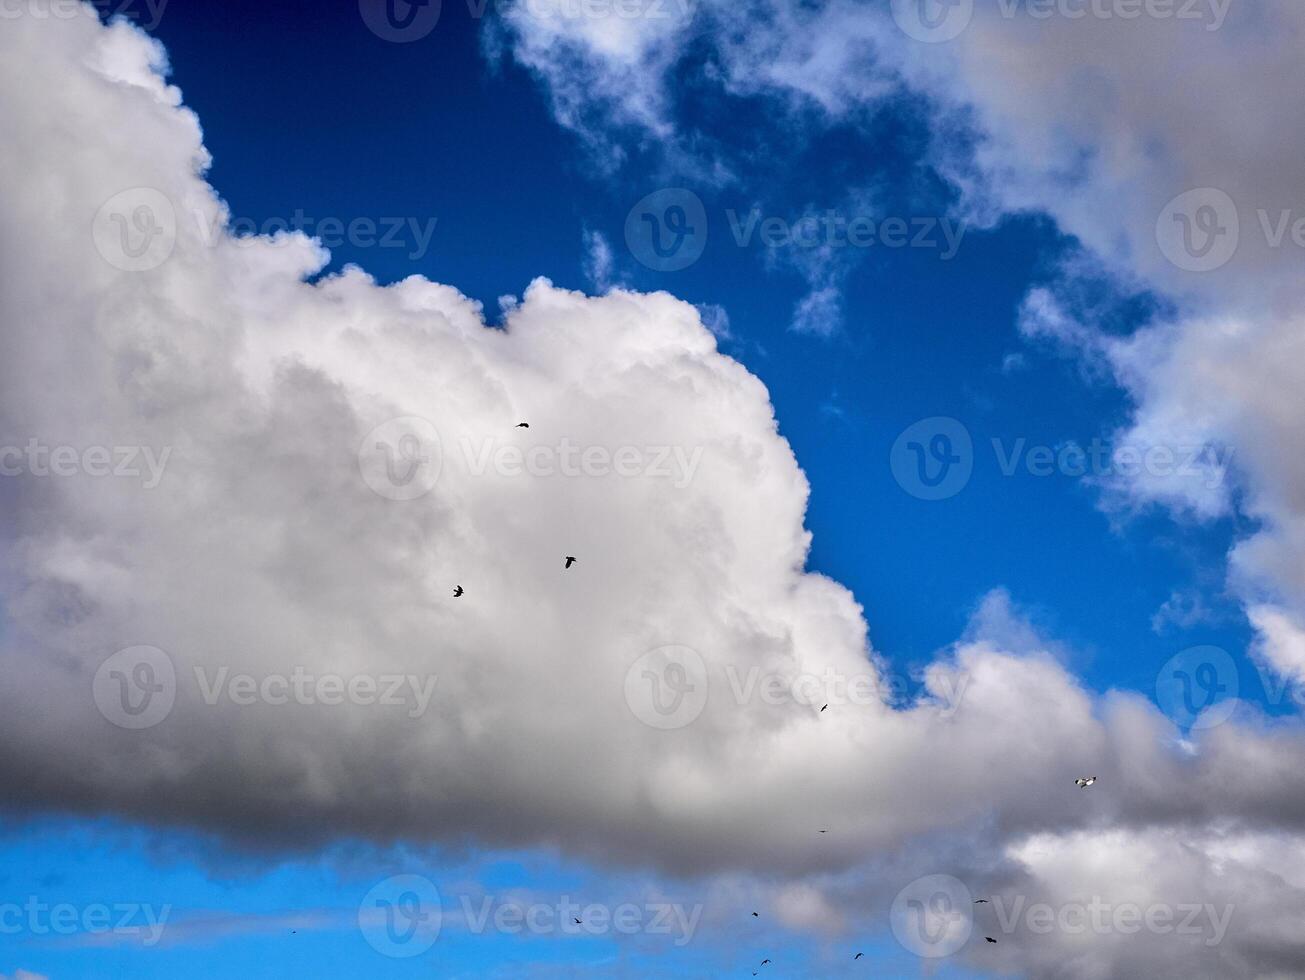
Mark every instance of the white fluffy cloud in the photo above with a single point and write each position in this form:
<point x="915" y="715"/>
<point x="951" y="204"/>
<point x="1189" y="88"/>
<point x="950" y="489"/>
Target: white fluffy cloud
<point x="262" y="550"/>
<point x="1131" y="125"/>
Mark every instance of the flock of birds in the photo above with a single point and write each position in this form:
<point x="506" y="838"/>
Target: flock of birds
<point x="1082" y="782"/>
<point x="458" y="591"/>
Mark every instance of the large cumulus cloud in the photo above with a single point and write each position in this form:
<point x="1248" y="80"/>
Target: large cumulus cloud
<point x="1131" y="125"/>
<point x="263" y="550"/>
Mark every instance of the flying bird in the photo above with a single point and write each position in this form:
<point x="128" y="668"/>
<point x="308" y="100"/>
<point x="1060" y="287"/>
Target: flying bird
<point x="822" y="710"/>
<point x="756" y="915"/>
<point x="764" y="962"/>
<point x="858" y="956"/>
<point x="1083" y="782"/>
<point x="990" y="939"/>
<point x="523" y="425"/>
<point x="822" y="831"/>
<point x="577" y="921"/>
<point x="570" y="560"/>
<point x="980" y="901"/>
<point x="457" y="591"/>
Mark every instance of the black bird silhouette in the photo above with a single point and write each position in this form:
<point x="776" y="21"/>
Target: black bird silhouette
<point x="523" y="425"/>
<point x="457" y="591"/>
<point x="577" y="921"/>
<point x="756" y="915"/>
<point x="990" y="939"/>
<point x="570" y="560"/>
<point x="822" y="709"/>
<point x="822" y="831"/>
<point x="980" y="901"/>
<point x="764" y="962"/>
<point x="858" y="956"/>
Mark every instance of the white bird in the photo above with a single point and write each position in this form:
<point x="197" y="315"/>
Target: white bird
<point x="1083" y="782"/>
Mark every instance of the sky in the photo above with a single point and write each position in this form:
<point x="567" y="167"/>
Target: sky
<point x="934" y="363"/>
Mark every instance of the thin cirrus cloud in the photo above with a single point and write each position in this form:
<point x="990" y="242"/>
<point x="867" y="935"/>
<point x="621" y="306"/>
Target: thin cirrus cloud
<point x="263" y="550"/>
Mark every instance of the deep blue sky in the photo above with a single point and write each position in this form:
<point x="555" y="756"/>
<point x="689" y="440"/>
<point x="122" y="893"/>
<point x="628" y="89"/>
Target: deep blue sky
<point x="303" y="108"/>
